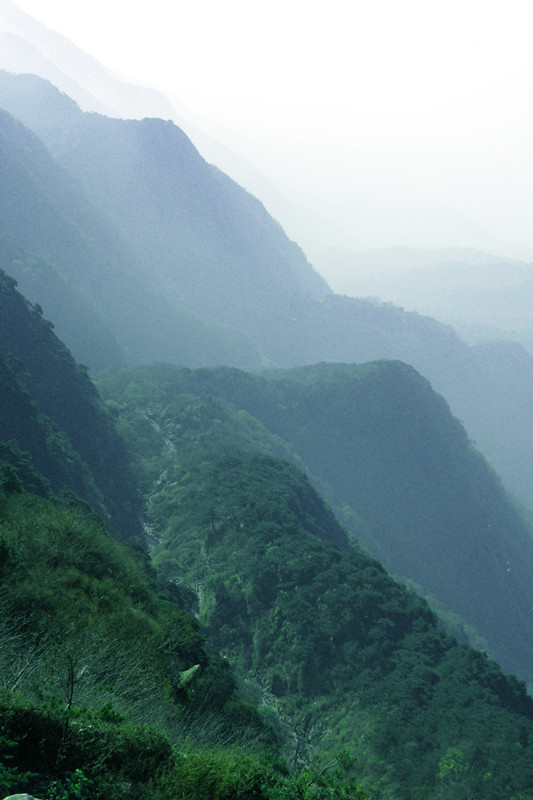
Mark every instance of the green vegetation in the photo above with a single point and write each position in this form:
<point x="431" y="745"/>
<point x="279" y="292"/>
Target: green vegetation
<point x="342" y="656"/>
<point x="106" y="682"/>
<point x="51" y="410"/>
<point x="398" y="470"/>
<point x="331" y="680"/>
<point x="261" y="652"/>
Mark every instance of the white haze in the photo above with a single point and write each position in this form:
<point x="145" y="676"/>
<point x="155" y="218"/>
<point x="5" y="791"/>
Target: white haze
<point x="383" y="123"/>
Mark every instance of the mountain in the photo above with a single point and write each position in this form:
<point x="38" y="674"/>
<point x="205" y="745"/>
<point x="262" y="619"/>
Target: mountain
<point x="106" y="680"/>
<point x="188" y="227"/>
<point x="334" y="680"/>
<point x="487" y="386"/>
<point x="28" y="46"/>
<point x="400" y="472"/>
<point x="196" y="229"/>
<point x="485" y="296"/>
<point x="192" y="225"/>
<point x="53" y="421"/>
<point x="341" y="654"/>
<point x="263" y="654"/>
<point x="273" y="308"/>
<point x="44" y="212"/>
<point x="341" y="683"/>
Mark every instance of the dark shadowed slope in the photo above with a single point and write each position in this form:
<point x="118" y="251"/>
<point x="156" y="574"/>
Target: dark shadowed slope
<point x="51" y="411"/>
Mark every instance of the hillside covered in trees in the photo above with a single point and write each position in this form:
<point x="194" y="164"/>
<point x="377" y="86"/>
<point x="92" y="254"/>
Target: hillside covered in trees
<point x="216" y="583"/>
<point x="262" y="654"/>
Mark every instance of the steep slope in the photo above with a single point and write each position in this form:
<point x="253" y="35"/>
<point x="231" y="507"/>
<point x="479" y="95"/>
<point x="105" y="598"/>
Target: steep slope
<point x="343" y="655"/>
<point x="29" y="46"/>
<point x="212" y="249"/>
<point x="106" y="681"/>
<point x="338" y="654"/>
<point x="44" y="211"/>
<point x="51" y="411"/>
<point x="489" y="387"/>
<point x="192" y="224"/>
<point x="388" y="455"/>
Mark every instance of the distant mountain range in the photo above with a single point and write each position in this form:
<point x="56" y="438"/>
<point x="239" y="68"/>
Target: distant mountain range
<point x="168" y="226"/>
<point x="485" y="296"/>
<point x="28" y="46"/>
<point x="259" y="490"/>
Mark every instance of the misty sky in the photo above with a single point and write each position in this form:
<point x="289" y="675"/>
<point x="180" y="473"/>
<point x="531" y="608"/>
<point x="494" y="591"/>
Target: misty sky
<point x="390" y="122"/>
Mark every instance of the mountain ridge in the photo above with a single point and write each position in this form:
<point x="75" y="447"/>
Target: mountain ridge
<point x="328" y="648"/>
<point x="383" y="448"/>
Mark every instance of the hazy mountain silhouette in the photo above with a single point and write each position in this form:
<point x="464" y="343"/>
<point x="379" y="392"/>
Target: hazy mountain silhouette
<point x="44" y="212"/>
<point x="204" y="245"/>
<point x="485" y="296"/>
<point x="209" y="244"/>
<point x="29" y="46"/>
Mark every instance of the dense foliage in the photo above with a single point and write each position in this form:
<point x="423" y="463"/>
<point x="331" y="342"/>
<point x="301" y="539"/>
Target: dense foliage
<point x="262" y="653"/>
<point x="345" y="658"/>
<point x="399" y="471"/>
<point x="106" y="682"/>
<point x="51" y="410"/>
<point x="343" y="683"/>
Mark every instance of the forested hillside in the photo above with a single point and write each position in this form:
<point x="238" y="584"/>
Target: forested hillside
<point x="345" y="656"/>
<point x="191" y="602"/>
<point x="344" y="685"/>
<point x="206" y="277"/>
<point x="55" y="420"/>
<point x="107" y="686"/>
<point x="402" y="475"/>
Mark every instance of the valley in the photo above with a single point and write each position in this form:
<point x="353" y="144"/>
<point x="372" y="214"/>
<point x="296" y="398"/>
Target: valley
<point x="258" y="539"/>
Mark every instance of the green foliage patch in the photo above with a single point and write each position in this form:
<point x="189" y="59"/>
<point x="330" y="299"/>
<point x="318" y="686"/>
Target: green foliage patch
<point x="103" y="676"/>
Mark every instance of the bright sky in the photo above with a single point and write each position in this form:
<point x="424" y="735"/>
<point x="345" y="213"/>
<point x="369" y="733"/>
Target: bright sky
<point x="391" y="105"/>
